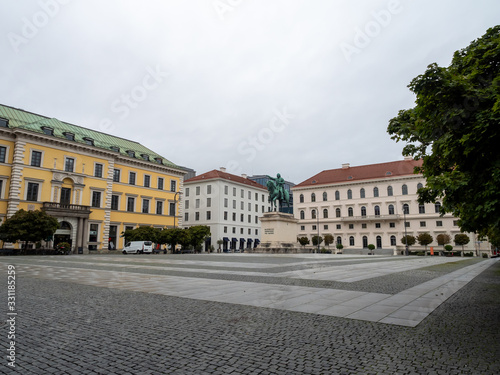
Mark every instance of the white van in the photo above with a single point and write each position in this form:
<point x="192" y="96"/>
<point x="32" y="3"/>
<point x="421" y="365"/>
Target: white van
<point x="138" y="247"/>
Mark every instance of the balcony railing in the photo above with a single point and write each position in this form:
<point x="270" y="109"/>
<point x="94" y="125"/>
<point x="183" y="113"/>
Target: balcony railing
<point x="372" y="217"/>
<point x="63" y="206"/>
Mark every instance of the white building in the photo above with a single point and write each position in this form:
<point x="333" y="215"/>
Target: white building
<point x="230" y="205"/>
<point x="364" y="205"/>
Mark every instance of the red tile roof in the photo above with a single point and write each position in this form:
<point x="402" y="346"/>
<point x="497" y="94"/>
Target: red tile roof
<point x="214" y="174"/>
<point x="362" y="172"/>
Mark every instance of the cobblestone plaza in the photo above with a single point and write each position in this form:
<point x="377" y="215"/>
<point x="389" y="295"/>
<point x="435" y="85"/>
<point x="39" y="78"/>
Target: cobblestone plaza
<point x="254" y="314"/>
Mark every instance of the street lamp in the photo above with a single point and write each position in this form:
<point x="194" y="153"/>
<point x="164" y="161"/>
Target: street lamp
<point x="406" y="236"/>
<point x="317" y="221"/>
<point x="175" y="205"/>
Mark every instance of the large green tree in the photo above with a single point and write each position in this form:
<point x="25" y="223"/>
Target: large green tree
<point x="28" y="226"/>
<point x="454" y="129"/>
<point x="142" y="234"/>
<point x="198" y="234"/>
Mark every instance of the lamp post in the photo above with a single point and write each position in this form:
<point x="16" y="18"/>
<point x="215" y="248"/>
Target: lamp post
<point x="317" y="224"/>
<point x="175" y="205"/>
<point x="406" y="236"/>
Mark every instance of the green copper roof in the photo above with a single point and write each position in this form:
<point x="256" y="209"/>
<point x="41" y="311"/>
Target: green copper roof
<point x="26" y="120"/>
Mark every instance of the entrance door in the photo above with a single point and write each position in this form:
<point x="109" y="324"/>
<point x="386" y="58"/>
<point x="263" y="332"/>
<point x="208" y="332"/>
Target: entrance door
<point x="65" y="196"/>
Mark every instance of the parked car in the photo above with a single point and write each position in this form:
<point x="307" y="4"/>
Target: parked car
<point x="138" y="247"/>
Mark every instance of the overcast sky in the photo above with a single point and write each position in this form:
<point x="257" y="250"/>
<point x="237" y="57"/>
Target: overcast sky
<point x="257" y="86"/>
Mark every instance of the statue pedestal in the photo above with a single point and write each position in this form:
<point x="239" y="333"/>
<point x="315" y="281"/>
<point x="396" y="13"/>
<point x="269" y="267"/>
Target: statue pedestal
<point x="278" y="234"/>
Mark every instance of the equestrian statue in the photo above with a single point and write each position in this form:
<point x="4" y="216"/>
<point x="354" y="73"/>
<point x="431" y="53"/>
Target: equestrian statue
<point x="277" y="191"/>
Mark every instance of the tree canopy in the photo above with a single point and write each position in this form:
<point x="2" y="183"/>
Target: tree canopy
<point x="454" y="129"/>
<point x="28" y="226"/>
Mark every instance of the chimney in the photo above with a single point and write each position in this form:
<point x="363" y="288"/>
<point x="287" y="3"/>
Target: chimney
<point x="222" y="169"/>
<point x="243" y="175"/>
<point x="345" y="165"/>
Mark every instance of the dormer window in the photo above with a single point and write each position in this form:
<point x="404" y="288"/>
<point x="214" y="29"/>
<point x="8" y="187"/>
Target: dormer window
<point x="69" y="136"/>
<point x="158" y="160"/>
<point x="145" y="156"/>
<point x="4" y="123"/>
<point x="115" y="149"/>
<point x="131" y="153"/>
<point x="88" y="141"/>
<point x="48" y="131"/>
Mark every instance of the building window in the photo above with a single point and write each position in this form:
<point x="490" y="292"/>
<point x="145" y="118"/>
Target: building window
<point x="131" y="153"/>
<point x="363" y="211"/>
<point x="196" y="216"/>
<point x="313" y="214"/>
<point x="242" y="206"/>
<point x="249" y="218"/>
<point x="392" y="225"/>
<point x="351" y="226"/>
<point x="337" y="195"/>
<point x="391" y="209"/>
<point x="242" y="193"/>
<point x="36" y="157"/>
<point x="406" y="208"/>
<point x="147" y="180"/>
<point x="325" y="214"/>
<point x="209" y="189"/>
<point x="234" y="216"/>
<point x="209" y="202"/>
<point x="302" y="215"/>
<point x="419" y="186"/>
<point x="301" y="198"/>
<point x="234" y="192"/>
<point x="225" y="229"/>
<point x="160" y="184"/>
<point x="339" y="240"/>
<point x="186" y="204"/>
<point x="363" y="226"/>
<point x="96" y="199"/>
<point x="145" y="156"/>
<point x="186" y="216"/>
<point x="145" y="206"/>
<point x="186" y="190"/>
<point x="437" y="207"/>
<point x="325" y="227"/>
<point x="198" y="190"/>
<point x="377" y="210"/>
<point x="242" y="218"/>
<point x="325" y="196"/>
<point x="130" y="204"/>
<point x="422" y="224"/>
<point x="362" y="193"/>
<point x="375" y="192"/>
<point x="226" y="189"/>
<point x="377" y="225"/>
<point x="350" y="212"/>
<point x="314" y="227"/>
<point x="98" y="170"/>
<point x="365" y="242"/>
<point x="302" y="227"/>
<point x="93" y="235"/>
<point x="313" y="197"/>
<point x="69" y="165"/>
<point x="349" y="194"/>
<point x="115" y="149"/>
<point x="393" y="240"/>
<point x="234" y="204"/>
<point x="226" y="202"/>
<point x="337" y="212"/>
<point x="421" y="209"/>
<point x="115" y="199"/>
<point x="131" y="178"/>
<point x="4" y="123"/>
<point x="404" y="189"/>
<point x="197" y="203"/>
<point x="338" y="226"/>
<point x="225" y="215"/>
<point x="389" y="191"/>
<point x="209" y="215"/>
<point x="47" y="131"/>
<point x="351" y="241"/>
<point x="116" y="175"/>
<point x="171" y="209"/>
<point x="407" y="224"/>
<point x="455" y="223"/>
<point x="88" y="141"/>
<point x="173" y="185"/>
<point x="32" y="192"/>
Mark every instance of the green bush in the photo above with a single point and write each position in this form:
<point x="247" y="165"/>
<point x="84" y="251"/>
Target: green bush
<point x="485" y="255"/>
<point x="471" y="254"/>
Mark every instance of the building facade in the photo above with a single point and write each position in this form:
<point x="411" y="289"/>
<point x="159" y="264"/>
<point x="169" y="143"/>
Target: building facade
<point x="372" y="204"/>
<point x="230" y="205"/>
<point x="95" y="184"/>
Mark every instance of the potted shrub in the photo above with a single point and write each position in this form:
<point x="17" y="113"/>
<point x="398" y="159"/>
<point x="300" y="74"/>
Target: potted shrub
<point x="371" y="247"/>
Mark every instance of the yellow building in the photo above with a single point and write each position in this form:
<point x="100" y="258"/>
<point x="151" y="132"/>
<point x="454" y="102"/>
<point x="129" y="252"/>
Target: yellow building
<point x="95" y="184"/>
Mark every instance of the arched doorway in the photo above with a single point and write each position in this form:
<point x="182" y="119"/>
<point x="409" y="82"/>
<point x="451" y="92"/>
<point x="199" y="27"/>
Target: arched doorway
<point x="63" y="233"/>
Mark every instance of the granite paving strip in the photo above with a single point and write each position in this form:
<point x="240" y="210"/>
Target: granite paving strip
<point x="407" y="308"/>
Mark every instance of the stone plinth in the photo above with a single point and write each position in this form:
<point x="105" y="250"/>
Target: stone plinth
<point x="278" y="234"/>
